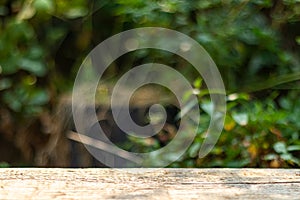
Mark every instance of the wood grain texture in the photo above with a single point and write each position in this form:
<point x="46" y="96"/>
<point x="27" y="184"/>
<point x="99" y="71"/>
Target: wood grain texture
<point x="39" y="183"/>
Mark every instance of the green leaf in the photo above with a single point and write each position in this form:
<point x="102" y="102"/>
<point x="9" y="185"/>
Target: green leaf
<point x="238" y="96"/>
<point x="270" y="157"/>
<point x="238" y="164"/>
<point x="198" y="83"/>
<point x="208" y="107"/>
<point x="286" y="156"/>
<point x="241" y="118"/>
<point x="285" y="103"/>
<point x="27" y="12"/>
<point x="265" y="3"/>
<point x="76" y="12"/>
<point x="44" y="5"/>
<point x="290" y="2"/>
<point x="10" y="66"/>
<point x="12" y="102"/>
<point x="35" y="52"/>
<point x="19" y="31"/>
<point x="194" y="149"/>
<point x="280" y="147"/>
<point x="56" y="34"/>
<point x="4" y="165"/>
<point x="39" y="97"/>
<point x="35" y="67"/>
<point x="186" y="109"/>
<point x="293" y="148"/>
<point x="5" y="84"/>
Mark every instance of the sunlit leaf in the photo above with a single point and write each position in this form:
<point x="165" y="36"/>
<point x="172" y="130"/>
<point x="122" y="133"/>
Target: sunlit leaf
<point x="76" y="12"/>
<point x="241" y="118"/>
<point x="27" y="12"/>
<point x="293" y="148"/>
<point x="280" y="147"/>
<point x="208" y="107"/>
<point x="44" y="5"/>
<point x="198" y="83"/>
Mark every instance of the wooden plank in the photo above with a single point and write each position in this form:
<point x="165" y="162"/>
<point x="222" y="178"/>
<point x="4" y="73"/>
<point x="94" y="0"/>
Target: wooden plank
<point x="39" y="183"/>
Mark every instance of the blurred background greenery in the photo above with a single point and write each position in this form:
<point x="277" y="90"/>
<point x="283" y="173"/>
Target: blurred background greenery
<point x="255" y="44"/>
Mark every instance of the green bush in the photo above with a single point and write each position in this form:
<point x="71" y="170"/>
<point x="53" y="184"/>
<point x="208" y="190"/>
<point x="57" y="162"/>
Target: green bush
<point x="255" y="45"/>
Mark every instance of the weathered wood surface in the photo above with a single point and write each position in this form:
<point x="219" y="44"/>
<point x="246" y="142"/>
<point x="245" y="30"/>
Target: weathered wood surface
<point x="160" y="184"/>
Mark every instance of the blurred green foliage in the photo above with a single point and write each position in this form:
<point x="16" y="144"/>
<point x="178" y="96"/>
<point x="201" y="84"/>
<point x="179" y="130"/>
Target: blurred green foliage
<point x="255" y="45"/>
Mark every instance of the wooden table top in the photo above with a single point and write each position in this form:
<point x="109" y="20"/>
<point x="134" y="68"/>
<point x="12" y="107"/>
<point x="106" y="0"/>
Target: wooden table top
<point x="92" y="183"/>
